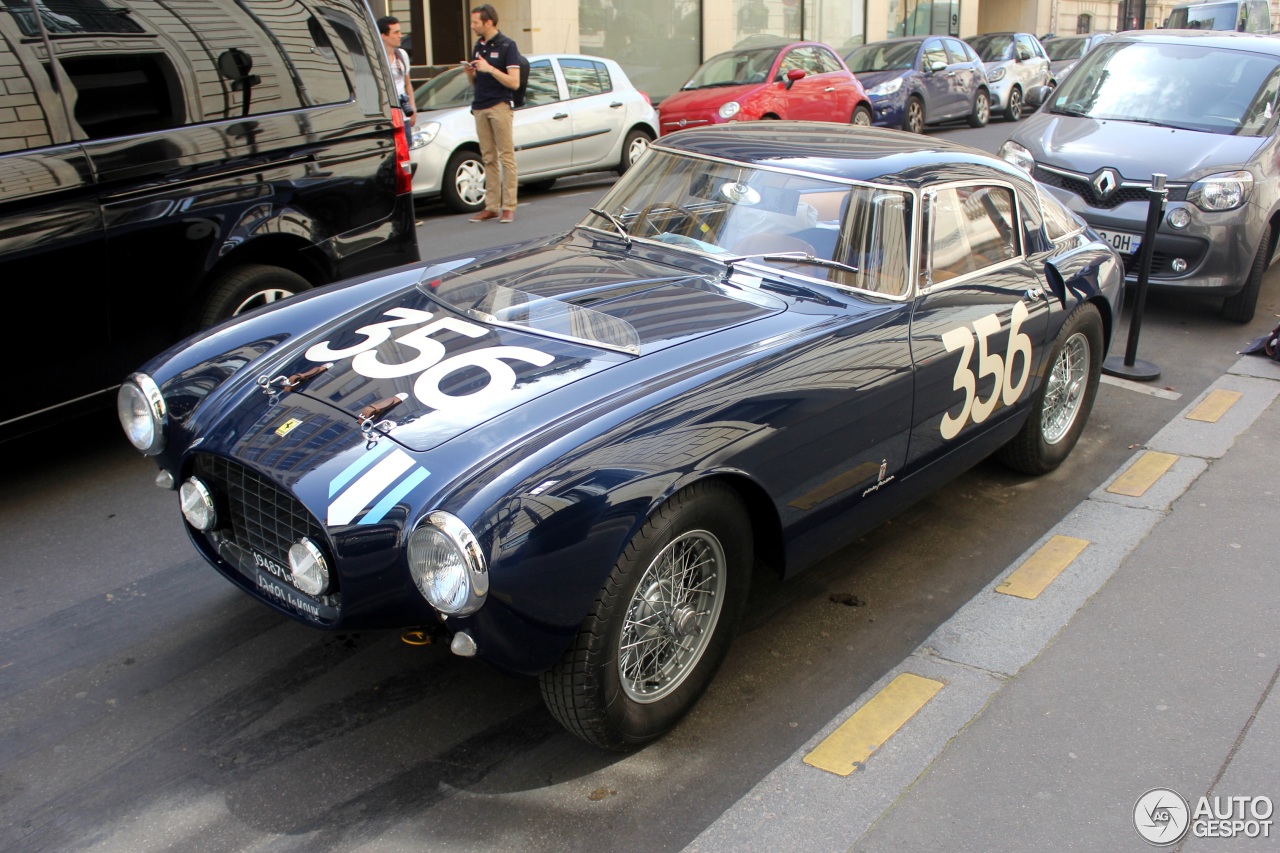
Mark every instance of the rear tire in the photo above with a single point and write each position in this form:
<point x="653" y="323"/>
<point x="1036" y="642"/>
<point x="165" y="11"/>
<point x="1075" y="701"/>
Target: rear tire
<point x="1240" y="308"/>
<point x="1061" y="405"/>
<point x="661" y="625"/>
<point x="463" y="182"/>
<point x="633" y="147"/>
<point x="247" y="287"/>
<point x="981" y="109"/>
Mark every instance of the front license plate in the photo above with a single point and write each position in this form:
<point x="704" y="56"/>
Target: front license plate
<point x="1122" y="241"/>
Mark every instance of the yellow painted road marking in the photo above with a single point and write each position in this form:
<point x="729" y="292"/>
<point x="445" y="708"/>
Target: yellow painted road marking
<point x="1031" y="578"/>
<point x="1142" y="474"/>
<point x="1214" y="406"/>
<point x="848" y="747"/>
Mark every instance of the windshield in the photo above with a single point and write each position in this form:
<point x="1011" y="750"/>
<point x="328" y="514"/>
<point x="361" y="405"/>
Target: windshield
<point x="730" y="211"/>
<point x="1065" y="48"/>
<point x="733" y="69"/>
<point x="447" y="89"/>
<point x="884" y="56"/>
<point x="1214" y="16"/>
<point x="993" y="48"/>
<point x="1182" y="85"/>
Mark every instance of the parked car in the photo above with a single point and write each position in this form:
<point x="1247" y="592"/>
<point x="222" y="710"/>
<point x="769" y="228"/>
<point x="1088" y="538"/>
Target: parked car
<point x="795" y="80"/>
<point x="1198" y="107"/>
<point x="1065" y="51"/>
<point x="581" y="114"/>
<point x="1245" y="16"/>
<point x="167" y="171"/>
<point x="566" y="457"/>
<point x="922" y="80"/>
<point x="1017" y="65"/>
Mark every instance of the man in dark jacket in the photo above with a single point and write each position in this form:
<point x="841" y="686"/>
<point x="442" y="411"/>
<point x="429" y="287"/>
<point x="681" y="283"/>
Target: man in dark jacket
<point x="495" y="72"/>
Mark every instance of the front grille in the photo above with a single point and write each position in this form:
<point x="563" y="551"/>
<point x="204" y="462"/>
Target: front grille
<point x="262" y="516"/>
<point x="1080" y="185"/>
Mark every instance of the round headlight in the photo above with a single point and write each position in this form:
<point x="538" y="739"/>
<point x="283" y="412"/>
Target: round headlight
<point x="142" y="413"/>
<point x="730" y="109"/>
<point x="1179" y="217"/>
<point x="197" y="505"/>
<point x="1221" y="192"/>
<point x="309" y="569"/>
<point x="447" y="565"/>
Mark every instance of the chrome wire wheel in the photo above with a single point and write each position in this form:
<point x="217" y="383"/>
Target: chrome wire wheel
<point x="1064" y="389"/>
<point x="672" y="616"/>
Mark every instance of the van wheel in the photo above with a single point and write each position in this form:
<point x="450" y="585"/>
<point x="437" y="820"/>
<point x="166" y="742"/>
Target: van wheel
<point x="1240" y="308"/>
<point x="661" y="625"/>
<point x="244" y="288"/>
<point x="463" y="184"/>
<point x="633" y="147"/>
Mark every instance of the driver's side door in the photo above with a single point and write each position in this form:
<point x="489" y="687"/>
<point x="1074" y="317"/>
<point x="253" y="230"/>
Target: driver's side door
<point x="543" y="128"/>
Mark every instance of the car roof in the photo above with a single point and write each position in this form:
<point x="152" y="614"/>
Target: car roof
<point x="825" y="149"/>
<point x="1220" y="39"/>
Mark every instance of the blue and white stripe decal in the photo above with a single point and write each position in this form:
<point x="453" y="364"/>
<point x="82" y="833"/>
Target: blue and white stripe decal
<point x="359" y="485"/>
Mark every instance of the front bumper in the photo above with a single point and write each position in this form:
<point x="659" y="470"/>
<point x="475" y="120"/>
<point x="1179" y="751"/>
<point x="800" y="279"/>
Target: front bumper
<point x="888" y="110"/>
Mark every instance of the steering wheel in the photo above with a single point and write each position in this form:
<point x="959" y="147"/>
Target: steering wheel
<point x="689" y="216"/>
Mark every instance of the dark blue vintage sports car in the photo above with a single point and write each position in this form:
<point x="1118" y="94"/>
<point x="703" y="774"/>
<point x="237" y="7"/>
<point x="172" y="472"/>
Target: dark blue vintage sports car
<point x="566" y="455"/>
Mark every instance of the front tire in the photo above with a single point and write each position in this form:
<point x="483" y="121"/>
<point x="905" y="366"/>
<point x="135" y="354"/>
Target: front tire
<point x="1240" y="308"/>
<point x="247" y="287"/>
<point x="661" y="625"/>
<point x="913" y="116"/>
<point x="1061" y="405"/>
<point x="1013" y="112"/>
<point x="633" y="148"/>
<point x="981" y="109"/>
<point x="861" y="116"/>
<point x="463" y="182"/>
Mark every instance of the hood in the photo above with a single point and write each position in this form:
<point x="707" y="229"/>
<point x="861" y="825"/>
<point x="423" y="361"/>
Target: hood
<point x="702" y="100"/>
<point x="467" y="345"/>
<point x="1136" y="150"/>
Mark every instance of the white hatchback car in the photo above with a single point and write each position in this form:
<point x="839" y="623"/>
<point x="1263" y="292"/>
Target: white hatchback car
<point x="581" y="114"/>
<point x="1016" y="65"/>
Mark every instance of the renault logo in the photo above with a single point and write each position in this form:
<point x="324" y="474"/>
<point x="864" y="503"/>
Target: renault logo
<point x="1105" y="182"/>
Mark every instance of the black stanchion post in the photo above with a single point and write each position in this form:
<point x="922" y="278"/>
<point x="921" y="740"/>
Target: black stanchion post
<point x="1131" y="367"/>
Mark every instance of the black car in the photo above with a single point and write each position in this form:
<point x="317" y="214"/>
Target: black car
<point x="165" y="172"/>
<point x="565" y="456"/>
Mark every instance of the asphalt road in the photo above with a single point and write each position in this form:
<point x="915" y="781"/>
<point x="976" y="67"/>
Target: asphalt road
<point x="146" y="704"/>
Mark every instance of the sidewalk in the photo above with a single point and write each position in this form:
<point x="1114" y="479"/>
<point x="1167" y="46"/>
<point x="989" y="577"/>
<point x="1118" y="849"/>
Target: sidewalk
<point x="1150" y="661"/>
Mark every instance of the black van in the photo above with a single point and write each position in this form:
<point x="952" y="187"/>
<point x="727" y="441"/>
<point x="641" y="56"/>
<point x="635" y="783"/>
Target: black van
<point x="166" y="164"/>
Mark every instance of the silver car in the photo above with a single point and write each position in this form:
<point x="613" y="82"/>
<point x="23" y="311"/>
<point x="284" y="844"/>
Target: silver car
<point x="1197" y="106"/>
<point x="581" y="114"/>
<point x="1065" y="51"/>
<point x="1016" y="64"/>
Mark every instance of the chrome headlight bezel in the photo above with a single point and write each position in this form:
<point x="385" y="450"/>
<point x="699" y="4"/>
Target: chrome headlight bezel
<point x="458" y="584"/>
<point x="1018" y="155"/>
<point x="196" y="502"/>
<point x="1221" y="192"/>
<point x="142" y="412"/>
<point x="729" y="109"/>
<point x="308" y="567"/>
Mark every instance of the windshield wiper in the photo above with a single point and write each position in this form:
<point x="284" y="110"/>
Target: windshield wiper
<point x="1065" y="111"/>
<point x="617" y="223"/>
<point x="799" y="257"/>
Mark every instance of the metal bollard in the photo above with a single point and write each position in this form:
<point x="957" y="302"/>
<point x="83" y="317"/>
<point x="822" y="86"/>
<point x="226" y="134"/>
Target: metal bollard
<point x="1131" y="367"/>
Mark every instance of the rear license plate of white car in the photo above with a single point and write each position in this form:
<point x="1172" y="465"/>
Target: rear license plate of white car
<point x="1122" y="241"/>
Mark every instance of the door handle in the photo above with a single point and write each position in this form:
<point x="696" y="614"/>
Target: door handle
<point x="829" y="89"/>
<point x="615" y="105"/>
<point x="1033" y="294"/>
<point x="559" y="116"/>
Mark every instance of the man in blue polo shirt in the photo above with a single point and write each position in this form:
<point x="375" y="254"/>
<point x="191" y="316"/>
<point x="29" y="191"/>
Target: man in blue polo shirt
<point x="494" y="70"/>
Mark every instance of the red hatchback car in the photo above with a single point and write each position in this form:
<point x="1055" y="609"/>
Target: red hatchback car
<point x="798" y="80"/>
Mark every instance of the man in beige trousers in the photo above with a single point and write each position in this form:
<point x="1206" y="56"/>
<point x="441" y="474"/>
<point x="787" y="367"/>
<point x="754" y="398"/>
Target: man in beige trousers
<point x="494" y="70"/>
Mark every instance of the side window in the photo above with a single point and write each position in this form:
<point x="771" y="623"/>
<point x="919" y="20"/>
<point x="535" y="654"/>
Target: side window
<point x="117" y="94"/>
<point x="1024" y="47"/>
<point x="584" y="77"/>
<point x="955" y="51"/>
<point x="793" y="59"/>
<point x="826" y="61"/>
<point x="934" y="53"/>
<point x="879" y="226"/>
<point x="366" y="84"/>
<point x="1059" y="222"/>
<point x="971" y="228"/>
<point x="542" y="84"/>
<point x="302" y="50"/>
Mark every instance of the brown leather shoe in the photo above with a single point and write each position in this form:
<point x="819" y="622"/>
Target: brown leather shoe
<point x="508" y="216"/>
<point x="483" y="216"/>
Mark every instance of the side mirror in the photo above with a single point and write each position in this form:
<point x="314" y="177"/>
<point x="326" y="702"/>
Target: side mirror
<point x="1023" y="54"/>
<point x="935" y="67"/>
<point x="793" y="75"/>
